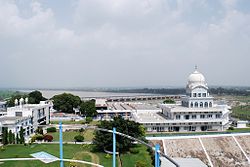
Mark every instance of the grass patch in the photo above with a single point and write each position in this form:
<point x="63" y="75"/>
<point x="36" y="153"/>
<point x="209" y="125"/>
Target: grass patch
<point x="129" y="160"/>
<point x="71" y="151"/>
<point x="67" y="136"/>
<point x="88" y="134"/>
<point x="241" y="112"/>
<point x="68" y="122"/>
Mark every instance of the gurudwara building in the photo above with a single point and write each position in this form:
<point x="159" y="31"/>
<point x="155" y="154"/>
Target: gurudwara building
<point x="197" y="111"/>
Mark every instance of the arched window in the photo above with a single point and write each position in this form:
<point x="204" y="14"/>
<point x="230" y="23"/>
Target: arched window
<point x="196" y="104"/>
<point x="201" y="104"/>
<point x="191" y="104"/>
<point x="206" y="104"/>
<point x="210" y="104"/>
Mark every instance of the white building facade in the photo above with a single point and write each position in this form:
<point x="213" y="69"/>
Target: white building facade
<point x="28" y="116"/>
<point x="196" y="112"/>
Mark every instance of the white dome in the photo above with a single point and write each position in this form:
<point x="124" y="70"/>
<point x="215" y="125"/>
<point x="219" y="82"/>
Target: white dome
<point x="196" y="78"/>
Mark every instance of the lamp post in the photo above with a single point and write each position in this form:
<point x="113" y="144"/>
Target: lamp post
<point x="114" y="147"/>
<point x="61" y="144"/>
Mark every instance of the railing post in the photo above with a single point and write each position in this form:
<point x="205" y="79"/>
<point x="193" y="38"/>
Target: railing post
<point x="114" y="147"/>
<point x="61" y="144"/>
<point x="157" y="155"/>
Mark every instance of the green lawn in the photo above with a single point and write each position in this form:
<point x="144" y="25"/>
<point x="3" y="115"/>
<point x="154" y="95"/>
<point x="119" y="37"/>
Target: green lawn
<point x="68" y="122"/>
<point x="242" y="112"/>
<point x="88" y="134"/>
<point x="67" y="136"/>
<point x="128" y="160"/>
<point x="71" y="151"/>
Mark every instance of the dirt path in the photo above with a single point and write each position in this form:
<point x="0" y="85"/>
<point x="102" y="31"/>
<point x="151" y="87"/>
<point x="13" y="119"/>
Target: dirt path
<point x="80" y="155"/>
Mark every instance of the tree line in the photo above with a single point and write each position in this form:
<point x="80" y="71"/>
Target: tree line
<point x="64" y="102"/>
<point x="8" y="137"/>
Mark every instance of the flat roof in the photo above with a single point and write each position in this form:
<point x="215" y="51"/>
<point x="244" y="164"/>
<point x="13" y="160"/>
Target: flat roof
<point x="8" y="118"/>
<point x="150" y="117"/>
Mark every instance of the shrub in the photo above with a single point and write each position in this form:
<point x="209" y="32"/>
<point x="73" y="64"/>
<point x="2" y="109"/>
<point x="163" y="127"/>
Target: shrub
<point x="3" y="148"/>
<point x="231" y="128"/>
<point x="81" y="130"/>
<point x="38" y="137"/>
<point x="39" y="130"/>
<point x="140" y="163"/>
<point x="88" y="120"/>
<point x="134" y="150"/>
<point x="79" y="138"/>
<point x="48" y="138"/>
<point x="108" y="156"/>
<point x="51" y="129"/>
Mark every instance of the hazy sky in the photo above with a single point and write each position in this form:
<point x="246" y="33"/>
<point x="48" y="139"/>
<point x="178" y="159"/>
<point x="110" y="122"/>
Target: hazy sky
<point x="114" y="43"/>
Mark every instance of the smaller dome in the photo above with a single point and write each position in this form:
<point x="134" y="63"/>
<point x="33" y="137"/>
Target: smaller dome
<point x="196" y="77"/>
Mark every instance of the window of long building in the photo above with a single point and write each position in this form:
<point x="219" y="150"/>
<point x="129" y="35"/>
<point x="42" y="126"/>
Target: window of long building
<point x="218" y="116"/>
<point x="178" y="117"/>
<point x="202" y="116"/>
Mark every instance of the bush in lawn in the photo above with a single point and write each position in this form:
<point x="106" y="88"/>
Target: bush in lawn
<point x="108" y="156"/>
<point x="37" y="137"/>
<point x="88" y="120"/>
<point x="3" y="148"/>
<point x="79" y="138"/>
<point x="81" y="130"/>
<point x="51" y="129"/>
<point x="231" y="128"/>
<point x="48" y="138"/>
<point x="134" y="150"/>
<point x="140" y="163"/>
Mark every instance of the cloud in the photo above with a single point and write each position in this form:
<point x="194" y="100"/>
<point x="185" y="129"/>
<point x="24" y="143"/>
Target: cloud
<point x="123" y="43"/>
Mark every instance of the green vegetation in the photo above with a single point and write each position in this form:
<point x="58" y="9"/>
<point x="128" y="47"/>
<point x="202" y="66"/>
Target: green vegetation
<point x="68" y="136"/>
<point x="68" y="122"/>
<point x="129" y="160"/>
<point x="71" y="151"/>
<point x="169" y="101"/>
<point x="66" y="102"/>
<point x="88" y="134"/>
<point x="103" y="140"/>
<point x="241" y="112"/>
<point x="51" y="129"/>
<point x="4" y="94"/>
<point x="87" y="108"/>
<point x="79" y="138"/>
<point x="34" y="98"/>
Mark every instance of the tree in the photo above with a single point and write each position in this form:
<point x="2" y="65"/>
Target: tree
<point x="140" y="163"/>
<point x="5" y="136"/>
<point x="10" y="136"/>
<point x="13" y="138"/>
<point x="17" y="139"/>
<point x="79" y="138"/>
<point x="21" y="135"/>
<point x="35" y="97"/>
<point x="103" y="140"/>
<point x="88" y="109"/>
<point x="66" y="102"/>
<point x="11" y="101"/>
